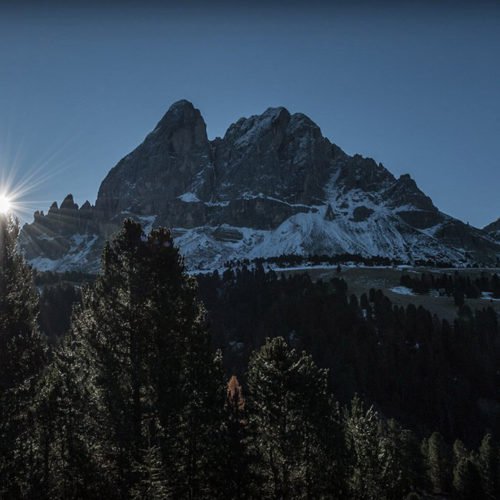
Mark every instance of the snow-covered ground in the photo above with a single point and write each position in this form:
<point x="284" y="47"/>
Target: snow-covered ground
<point x="402" y="290"/>
<point x="488" y="296"/>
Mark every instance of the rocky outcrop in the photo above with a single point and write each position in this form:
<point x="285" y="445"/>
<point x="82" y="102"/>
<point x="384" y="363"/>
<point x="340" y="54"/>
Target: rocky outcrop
<point x="493" y="230"/>
<point x="273" y="184"/>
<point x="66" y="233"/>
<point x="273" y="155"/>
<point x="163" y="167"/>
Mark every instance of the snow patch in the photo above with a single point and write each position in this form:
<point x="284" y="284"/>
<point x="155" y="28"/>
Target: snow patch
<point x="402" y="290"/>
<point x="78" y="256"/>
<point x="489" y="296"/>
<point x="147" y="222"/>
<point x="189" y="198"/>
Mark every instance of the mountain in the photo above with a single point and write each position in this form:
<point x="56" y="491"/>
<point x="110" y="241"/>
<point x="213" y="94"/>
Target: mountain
<point x="272" y="185"/>
<point x="493" y="230"/>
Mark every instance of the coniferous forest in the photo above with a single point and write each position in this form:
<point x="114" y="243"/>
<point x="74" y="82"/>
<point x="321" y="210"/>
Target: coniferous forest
<point x="147" y="383"/>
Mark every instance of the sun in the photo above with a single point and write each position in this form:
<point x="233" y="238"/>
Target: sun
<point x="5" y="204"/>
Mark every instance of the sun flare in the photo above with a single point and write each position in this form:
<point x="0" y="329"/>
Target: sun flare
<point x="5" y="204"/>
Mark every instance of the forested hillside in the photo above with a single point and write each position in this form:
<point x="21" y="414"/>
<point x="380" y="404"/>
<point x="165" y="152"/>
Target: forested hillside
<point x="144" y="394"/>
<point x="429" y="373"/>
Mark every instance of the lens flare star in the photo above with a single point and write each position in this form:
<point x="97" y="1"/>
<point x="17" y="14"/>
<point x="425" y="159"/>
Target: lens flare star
<point x="5" y="204"/>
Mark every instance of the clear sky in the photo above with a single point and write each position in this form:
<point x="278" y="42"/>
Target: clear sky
<point x="415" y="85"/>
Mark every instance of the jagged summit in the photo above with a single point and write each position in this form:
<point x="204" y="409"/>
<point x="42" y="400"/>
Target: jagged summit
<point x="182" y="115"/>
<point x="180" y="107"/>
<point x="86" y="206"/>
<point x="68" y="203"/>
<point x="161" y="168"/>
<point x="272" y="184"/>
<point x="245" y="130"/>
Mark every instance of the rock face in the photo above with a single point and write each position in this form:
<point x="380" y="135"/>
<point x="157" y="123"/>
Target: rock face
<point x="493" y="230"/>
<point x="272" y="185"/>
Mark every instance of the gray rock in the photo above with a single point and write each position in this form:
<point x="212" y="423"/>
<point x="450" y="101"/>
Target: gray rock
<point x="273" y="183"/>
<point x="361" y="213"/>
<point x="493" y="229"/>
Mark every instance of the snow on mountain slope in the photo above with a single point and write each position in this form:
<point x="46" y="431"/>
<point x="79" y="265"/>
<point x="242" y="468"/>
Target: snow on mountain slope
<point x="311" y="234"/>
<point x="272" y="185"/>
<point x="78" y="257"/>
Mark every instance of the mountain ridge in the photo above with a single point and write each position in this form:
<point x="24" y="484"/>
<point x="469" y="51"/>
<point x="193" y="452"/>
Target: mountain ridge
<point x="272" y="184"/>
<point x="493" y="229"/>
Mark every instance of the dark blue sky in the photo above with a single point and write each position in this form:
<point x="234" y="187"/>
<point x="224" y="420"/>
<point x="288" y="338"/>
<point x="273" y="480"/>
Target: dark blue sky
<point x="415" y="85"/>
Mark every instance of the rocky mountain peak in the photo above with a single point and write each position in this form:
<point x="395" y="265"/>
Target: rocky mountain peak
<point x="493" y="229"/>
<point x="360" y="173"/>
<point x="162" y="168"/>
<point x="251" y="131"/>
<point x="493" y="226"/>
<point x="68" y="203"/>
<point x="86" y="206"/>
<point x="406" y="192"/>
<point x="182" y="127"/>
<point x="301" y="123"/>
<point x="272" y="185"/>
<point x="273" y="154"/>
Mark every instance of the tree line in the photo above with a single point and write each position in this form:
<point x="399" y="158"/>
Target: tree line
<point x="292" y="260"/>
<point x="430" y="374"/>
<point x="134" y="402"/>
<point x="454" y="285"/>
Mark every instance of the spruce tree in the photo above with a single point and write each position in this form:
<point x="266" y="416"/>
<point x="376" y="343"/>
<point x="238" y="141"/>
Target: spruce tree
<point x="401" y="460"/>
<point x="460" y="452"/>
<point x="362" y="437"/>
<point x="466" y="479"/>
<point x="293" y="423"/>
<point x="22" y="358"/>
<point x="488" y="462"/>
<point x="151" y="483"/>
<point x="385" y="460"/>
<point x="70" y="427"/>
<point x="162" y="386"/>
<point x="438" y="463"/>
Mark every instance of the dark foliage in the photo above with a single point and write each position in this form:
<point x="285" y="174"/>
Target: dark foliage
<point x="426" y="372"/>
<point x="133" y="402"/>
<point x="56" y="306"/>
<point x="291" y="260"/>
<point x="455" y="285"/>
<point x="22" y="359"/>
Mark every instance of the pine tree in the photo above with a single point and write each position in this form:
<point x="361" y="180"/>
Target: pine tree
<point x="385" y="459"/>
<point x="460" y="452"/>
<point x="293" y="423"/>
<point x="151" y="483"/>
<point x="199" y="447"/>
<point x="401" y="460"/>
<point x="489" y="467"/>
<point x="362" y="437"/>
<point x="466" y="479"/>
<point x="438" y="463"/>
<point x="70" y="427"/>
<point x="145" y="331"/>
<point x="22" y="358"/>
